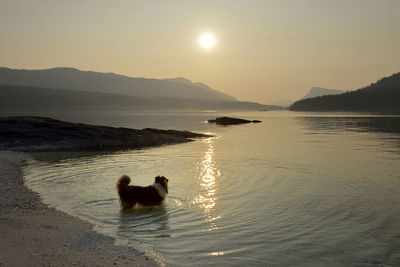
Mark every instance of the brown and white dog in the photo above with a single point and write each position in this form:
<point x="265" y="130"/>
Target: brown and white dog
<point x="131" y="195"/>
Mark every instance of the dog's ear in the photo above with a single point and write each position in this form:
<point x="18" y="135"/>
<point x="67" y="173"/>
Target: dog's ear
<point x="161" y="179"/>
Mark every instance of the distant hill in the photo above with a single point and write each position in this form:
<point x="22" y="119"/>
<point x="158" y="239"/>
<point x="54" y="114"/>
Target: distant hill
<point x="74" y="79"/>
<point x="318" y="91"/>
<point x="282" y="103"/>
<point x="382" y="96"/>
<point x="199" y="85"/>
<point x="28" y="99"/>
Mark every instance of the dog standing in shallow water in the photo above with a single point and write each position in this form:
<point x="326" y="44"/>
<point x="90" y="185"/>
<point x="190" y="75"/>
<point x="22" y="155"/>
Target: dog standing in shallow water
<point x="152" y="195"/>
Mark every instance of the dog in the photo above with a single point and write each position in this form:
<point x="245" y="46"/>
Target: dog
<point x="131" y="195"/>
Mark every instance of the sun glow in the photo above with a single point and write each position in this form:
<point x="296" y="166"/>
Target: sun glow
<point x="207" y="41"/>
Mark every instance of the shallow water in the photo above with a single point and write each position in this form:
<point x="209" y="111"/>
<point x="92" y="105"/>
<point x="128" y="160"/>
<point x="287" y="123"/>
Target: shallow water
<point x="297" y="189"/>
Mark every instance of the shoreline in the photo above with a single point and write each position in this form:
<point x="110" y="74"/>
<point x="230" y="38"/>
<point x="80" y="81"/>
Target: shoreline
<point x="34" y="134"/>
<point x="34" y="234"/>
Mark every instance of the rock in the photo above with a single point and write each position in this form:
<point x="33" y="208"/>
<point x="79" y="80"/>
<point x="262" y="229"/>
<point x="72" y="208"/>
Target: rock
<point x="46" y="134"/>
<point x="231" y="121"/>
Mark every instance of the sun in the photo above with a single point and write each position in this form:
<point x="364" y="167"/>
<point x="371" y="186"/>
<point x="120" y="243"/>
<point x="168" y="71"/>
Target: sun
<point x="207" y="41"/>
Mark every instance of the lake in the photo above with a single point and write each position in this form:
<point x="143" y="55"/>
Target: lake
<point x="298" y="189"/>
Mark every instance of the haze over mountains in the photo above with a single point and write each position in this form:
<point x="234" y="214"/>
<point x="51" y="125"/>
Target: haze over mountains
<point x="318" y="91"/>
<point x="74" y="79"/>
<point x="72" y="89"/>
<point x="382" y="96"/>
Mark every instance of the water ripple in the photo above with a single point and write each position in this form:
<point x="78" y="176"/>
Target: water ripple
<point x="273" y="195"/>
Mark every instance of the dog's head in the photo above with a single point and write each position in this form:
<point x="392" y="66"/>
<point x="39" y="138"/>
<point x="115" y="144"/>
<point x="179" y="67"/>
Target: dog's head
<point x="162" y="181"/>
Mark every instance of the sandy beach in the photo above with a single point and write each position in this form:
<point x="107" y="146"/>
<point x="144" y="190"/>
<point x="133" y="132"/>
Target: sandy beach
<point x="32" y="234"/>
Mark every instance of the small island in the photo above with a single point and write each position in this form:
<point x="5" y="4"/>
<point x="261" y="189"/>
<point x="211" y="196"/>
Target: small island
<point x="46" y="134"/>
<point x="231" y="121"/>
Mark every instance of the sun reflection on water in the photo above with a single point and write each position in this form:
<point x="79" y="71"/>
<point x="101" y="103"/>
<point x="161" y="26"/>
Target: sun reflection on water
<point x="208" y="173"/>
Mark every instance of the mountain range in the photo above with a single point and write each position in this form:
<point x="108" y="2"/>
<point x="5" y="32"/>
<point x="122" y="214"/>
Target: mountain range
<point x="74" y="79"/>
<point x="63" y="89"/>
<point x="26" y="99"/>
<point x="381" y="96"/>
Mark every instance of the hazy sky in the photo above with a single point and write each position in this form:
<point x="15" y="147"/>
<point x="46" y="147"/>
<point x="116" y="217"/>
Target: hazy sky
<point x="265" y="51"/>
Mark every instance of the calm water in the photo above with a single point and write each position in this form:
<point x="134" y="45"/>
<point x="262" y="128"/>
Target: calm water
<point x="295" y="190"/>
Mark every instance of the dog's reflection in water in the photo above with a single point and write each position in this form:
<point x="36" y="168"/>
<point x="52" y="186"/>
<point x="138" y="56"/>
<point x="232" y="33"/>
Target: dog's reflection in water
<point x="152" y="221"/>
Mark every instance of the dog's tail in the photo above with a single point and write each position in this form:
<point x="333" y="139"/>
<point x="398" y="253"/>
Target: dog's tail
<point x="123" y="181"/>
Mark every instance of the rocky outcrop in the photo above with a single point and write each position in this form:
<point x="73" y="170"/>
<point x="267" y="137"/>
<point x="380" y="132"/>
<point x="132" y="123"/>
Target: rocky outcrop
<point x="231" y="121"/>
<point x="46" y="134"/>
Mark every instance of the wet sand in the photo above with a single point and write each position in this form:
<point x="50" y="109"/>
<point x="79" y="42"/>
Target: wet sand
<point x="33" y="234"/>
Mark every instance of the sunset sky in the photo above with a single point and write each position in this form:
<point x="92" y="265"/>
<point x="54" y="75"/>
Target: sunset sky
<point x="264" y="51"/>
